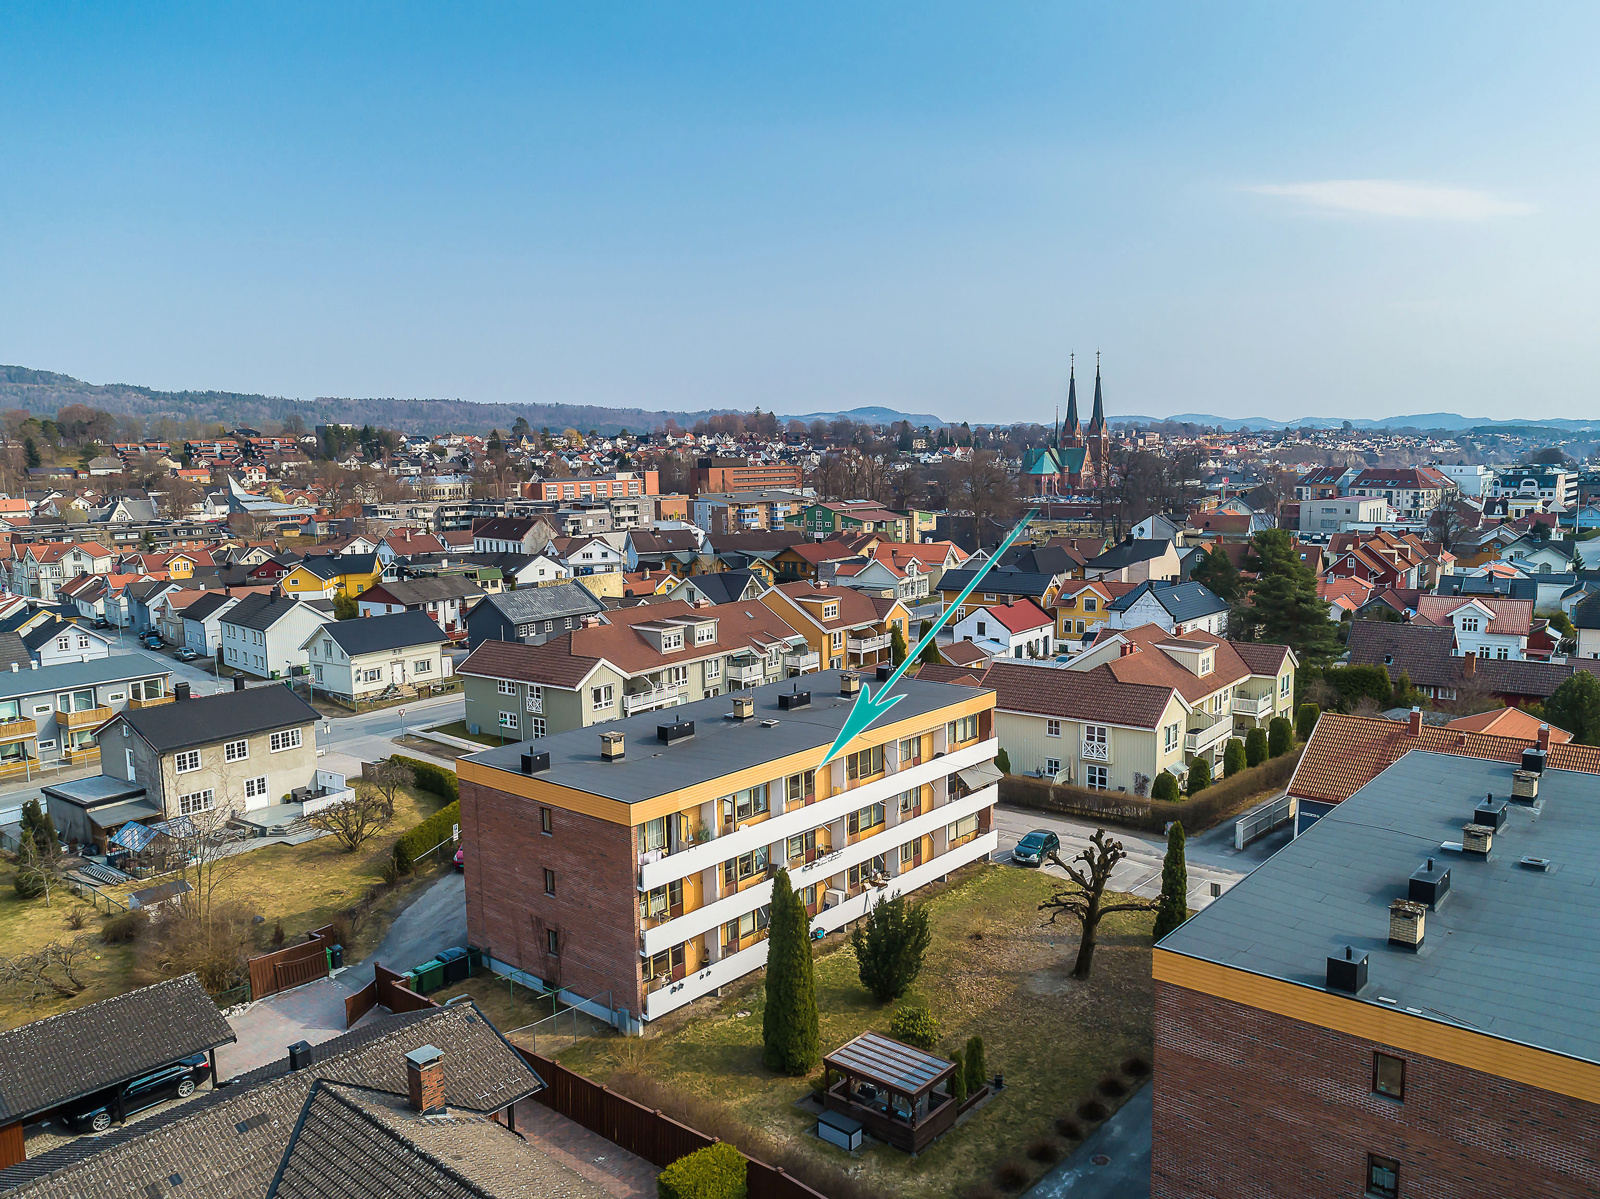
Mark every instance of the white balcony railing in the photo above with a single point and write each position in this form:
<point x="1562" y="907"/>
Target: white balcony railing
<point x="1256" y="706"/>
<point x="803" y="818"/>
<point x="1203" y="736"/>
<point x="868" y="645"/>
<point x="535" y="702"/>
<point x="649" y="701"/>
<point x="748" y="675"/>
<point x="1095" y="751"/>
<point x="806" y="660"/>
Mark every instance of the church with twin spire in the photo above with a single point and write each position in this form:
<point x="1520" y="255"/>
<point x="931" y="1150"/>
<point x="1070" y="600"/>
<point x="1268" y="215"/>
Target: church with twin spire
<point x="1077" y="458"/>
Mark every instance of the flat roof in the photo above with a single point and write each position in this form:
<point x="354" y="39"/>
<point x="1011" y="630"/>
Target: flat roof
<point x="720" y="746"/>
<point x="1510" y="952"/>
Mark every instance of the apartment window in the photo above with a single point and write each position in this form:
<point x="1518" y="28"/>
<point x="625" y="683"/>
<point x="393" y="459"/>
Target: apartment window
<point x="910" y="751"/>
<point x="535" y="727"/>
<point x="872" y="868"/>
<point x="910" y="800"/>
<point x="864" y="764"/>
<point x="837" y="640"/>
<point x="1090" y="604"/>
<point x="653" y="835"/>
<point x="287" y="739"/>
<point x="546" y="821"/>
<point x="1052" y="766"/>
<point x="1503" y="653"/>
<point x="374" y="675"/>
<point x="1169" y="737"/>
<point x="63" y="643"/>
<point x="236" y="751"/>
<point x="671" y="641"/>
<point x="601" y="698"/>
<point x="1469" y="624"/>
<point x="753" y="801"/>
<point x="508" y="720"/>
<point x="713" y="669"/>
<point x="197" y="801"/>
<point x="908" y="851"/>
<point x="965" y="729"/>
<point x="1389" y="1075"/>
<point x="736" y="870"/>
<point x="656" y="904"/>
<point x="1052" y="728"/>
<point x="964" y="827"/>
<point x="505" y="687"/>
<point x="256" y="787"/>
<point x="549" y="881"/>
<point x="801" y="845"/>
<point x="802" y="787"/>
<point x="188" y="760"/>
<point x="705" y="634"/>
<point x="982" y="627"/>
<point x="1095" y="735"/>
<point x="552" y="942"/>
<point x="865" y="820"/>
<point x="1283" y="685"/>
<point x="1383" y="1177"/>
<point x="83" y="641"/>
<point x="1096" y="778"/>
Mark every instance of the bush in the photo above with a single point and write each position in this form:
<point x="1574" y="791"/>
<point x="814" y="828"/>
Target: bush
<point x="1002" y="761"/>
<point x="889" y="945"/>
<point x="914" y="1024"/>
<point x="1255" y="747"/>
<point x="977" y="1067"/>
<point x="1093" y="1111"/>
<point x="1069" y="1128"/>
<point x="1136" y="1067"/>
<point x="1013" y="1176"/>
<point x="124" y="927"/>
<point x="715" y="1172"/>
<point x="1199" y="775"/>
<point x="958" y="1078"/>
<point x="416" y="842"/>
<point x="1044" y="1149"/>
<point x="432" y="777"/>
<point x="1305" y="720"/>
<point x="1112" y="1087"/>
<point x="1280" y="737"/>
<point x="1233" y="760"/>
<point x="1165" y="787"/>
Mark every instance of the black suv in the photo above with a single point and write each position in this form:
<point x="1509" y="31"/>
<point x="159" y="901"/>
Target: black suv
<point x="99" y="1111"/>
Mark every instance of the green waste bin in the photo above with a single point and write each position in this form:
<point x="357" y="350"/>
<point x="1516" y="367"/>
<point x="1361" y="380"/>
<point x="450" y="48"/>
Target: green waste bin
<point x="430" y="977"/>
<point x="474" y="959"/>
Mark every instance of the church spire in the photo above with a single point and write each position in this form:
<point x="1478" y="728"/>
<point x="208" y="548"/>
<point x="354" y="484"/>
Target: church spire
<point x="1071" y="434"/>
<point x="1097" y="419"/>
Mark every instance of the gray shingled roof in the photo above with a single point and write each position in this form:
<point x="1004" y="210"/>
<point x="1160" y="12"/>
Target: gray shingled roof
<point x="429" y="589"/>
<point x="1129" y="552"/>
<point x="67" y="675"/>
<point x="544" y="603"/>
<point x="998" y="581"/>
<point x="1182" y="601"/>
<point x="262" y="610"/>
<point x="375" y="634"/>
<point x="60" y="1058"/>
<point x="206" y="719"/>
<point x="1509" y="953"/>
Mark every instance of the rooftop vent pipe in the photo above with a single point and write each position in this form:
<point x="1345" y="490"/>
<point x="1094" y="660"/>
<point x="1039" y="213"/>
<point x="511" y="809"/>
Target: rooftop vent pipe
<point x="1347" y="973"/>
<point x="611" y="747"/>
<point x="1429" y="884"/>
<point x="789" y="700"/>
<point x="540" y="762"/>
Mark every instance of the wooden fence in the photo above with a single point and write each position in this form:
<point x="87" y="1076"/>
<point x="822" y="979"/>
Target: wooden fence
<point x="292" y="966"/>
<point x="393" y="994"/>
<point x="360" y="1003"/>
<point x="659" y="1139"/>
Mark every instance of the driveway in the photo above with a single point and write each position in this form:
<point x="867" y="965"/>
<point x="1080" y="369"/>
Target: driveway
<point x="1124" y="1142"/>
<point x="314" y="1013"/>
<point x="436" y="919"/>
<point x="1210" y="857"/>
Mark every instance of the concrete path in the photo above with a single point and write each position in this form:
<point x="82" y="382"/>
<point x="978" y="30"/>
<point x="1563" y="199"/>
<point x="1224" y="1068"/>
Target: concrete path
<point x="314" y="1013"/>
<point x="1124" y="1141"/>
<point x="436" y="919"/>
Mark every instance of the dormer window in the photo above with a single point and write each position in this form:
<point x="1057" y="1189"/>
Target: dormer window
<point x="1205" y="664"/>
<point x="671" y="641"/>
<point x="705" y="634"/>
<point x="830" y="612"/>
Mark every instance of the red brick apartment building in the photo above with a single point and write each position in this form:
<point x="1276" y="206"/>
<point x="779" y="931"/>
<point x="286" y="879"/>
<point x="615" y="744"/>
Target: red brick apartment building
<point x="1400" y="1004"/>
<point x="735" y="474"/>
<point x="598" y="487"/>
<point x="631" y="863"/>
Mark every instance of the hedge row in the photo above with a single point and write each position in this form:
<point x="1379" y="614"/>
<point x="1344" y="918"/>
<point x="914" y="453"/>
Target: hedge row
<point x="1204" y="810"/>
<point x="432" y="777"/>
<point x="415" y="842"/>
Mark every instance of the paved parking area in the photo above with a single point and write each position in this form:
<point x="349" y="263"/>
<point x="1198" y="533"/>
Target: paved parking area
<point x="314" y="1013"/>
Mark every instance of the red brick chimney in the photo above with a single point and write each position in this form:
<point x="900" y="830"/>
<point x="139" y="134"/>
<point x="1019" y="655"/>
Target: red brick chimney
<point x="1544" y="737"/>
<point x="425" y="1079"/>
<point x="1415" y="722"/>
<point x="1469" y="666"/>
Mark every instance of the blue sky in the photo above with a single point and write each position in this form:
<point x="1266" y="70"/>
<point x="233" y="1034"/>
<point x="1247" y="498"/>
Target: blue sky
<point x="1249" y="209"/>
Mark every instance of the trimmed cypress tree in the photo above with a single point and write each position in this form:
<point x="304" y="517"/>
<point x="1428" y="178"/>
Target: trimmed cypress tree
<point x="1280" y="736"/>
<point x="1306" y="720"/>
<point x="1233" y="758"/>
<point x="1255" y="747"/>
<point x="958" y="1080"/>
<point x="1165" y="787"/>
<point x="791" y="1041"/>
<point x="1173" y="907"/>
<point x="37" y="825"/>
<point x="1002" y="761"/>
<point x="1199" y="775"/>
<point x="977" y="1068"/>
<point x="897" y="645"/>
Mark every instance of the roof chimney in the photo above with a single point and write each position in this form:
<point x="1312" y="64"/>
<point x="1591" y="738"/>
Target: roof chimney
<point x="1469" y="664"/>
<point x="425" y="1079"/>
<point x="538" y="763"/>
<point x="238" y="682"/>
<point x="611" y="747"/>
<point x="180" y="691"/>
<point x="1406" y="923"/>
<point x="744" y="707"/>
<point x="1544" y="737"/>
<point x="299" y="1055"/>
<point x="1415" y="722"/>
<point x="1477" y="839"/>
<point x="849" y="684"/>
<point x="1347" y="973"/>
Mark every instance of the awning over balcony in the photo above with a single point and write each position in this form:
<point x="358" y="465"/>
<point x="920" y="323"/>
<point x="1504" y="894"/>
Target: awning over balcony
<point x="975" y="778"/>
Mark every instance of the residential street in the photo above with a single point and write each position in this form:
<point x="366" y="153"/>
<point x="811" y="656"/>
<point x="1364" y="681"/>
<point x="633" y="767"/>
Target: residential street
<point x="436" y="919"/>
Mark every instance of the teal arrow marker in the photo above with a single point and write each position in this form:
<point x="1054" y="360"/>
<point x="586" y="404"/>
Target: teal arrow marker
<point x="867" y="709"/>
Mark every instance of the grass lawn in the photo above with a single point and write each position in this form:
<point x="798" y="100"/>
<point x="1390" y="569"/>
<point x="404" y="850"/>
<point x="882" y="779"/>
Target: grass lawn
<point x="301" y="885"/>
<point x="993" y="970"/>
<point x="458" y="728"/>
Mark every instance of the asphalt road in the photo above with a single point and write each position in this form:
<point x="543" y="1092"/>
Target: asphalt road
<point x="1211" y="857"/>
<point x="1124" y="1142"/>
<point x="436" y="919"/>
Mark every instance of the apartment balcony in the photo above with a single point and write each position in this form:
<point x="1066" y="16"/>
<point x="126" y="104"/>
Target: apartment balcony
<point x="747" y="676"/>
<point x="87" y="718"/>
<point x="1098" y="752"/>
<point x="867" y="645"/>
<point x="807" y="660"/>
<point x="18" y="730"/>
<point x="649" y="701"/>
<point x="1206" y="731"/>
<point x="135" y="705"/>
<point x="1257" y="707"/>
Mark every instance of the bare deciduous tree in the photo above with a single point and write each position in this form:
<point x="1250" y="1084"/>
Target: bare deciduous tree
<point x="354" y="821"/>
<point x="1089" y="872"/>
<point x="388" y="776"/>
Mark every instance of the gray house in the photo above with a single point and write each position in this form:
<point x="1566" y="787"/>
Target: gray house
<point x="265" y="635"/>
<point x="48" y="713"/>
<point x="530" y="614"/>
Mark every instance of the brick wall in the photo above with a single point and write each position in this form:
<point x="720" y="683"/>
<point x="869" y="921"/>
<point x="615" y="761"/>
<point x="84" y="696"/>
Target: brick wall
<point x="1250" y="1104"/>
<point x="595" y="909"/>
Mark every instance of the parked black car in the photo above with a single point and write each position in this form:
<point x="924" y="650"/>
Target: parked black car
<point x="99" y="1111"/>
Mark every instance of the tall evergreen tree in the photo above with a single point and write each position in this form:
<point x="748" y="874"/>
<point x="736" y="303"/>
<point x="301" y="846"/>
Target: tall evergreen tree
<point x="1217" y="572"/>
<point x="1173" y="907"/>
<point x="1233" y="759"/>
<point x="1284" y="608"/>
<point x="897" y="645"/>
<point x="1575" y="706"/>
<point x="790" y="1037"/>
<point x="889" y="945"/>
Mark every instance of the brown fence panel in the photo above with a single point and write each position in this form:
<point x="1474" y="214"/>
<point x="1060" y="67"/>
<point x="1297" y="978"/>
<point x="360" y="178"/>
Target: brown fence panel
<point x="360" y="1003"/>
<point x="392" y="995"/>
<point x="290" y="966"/>
<point x="770" y="1182"/>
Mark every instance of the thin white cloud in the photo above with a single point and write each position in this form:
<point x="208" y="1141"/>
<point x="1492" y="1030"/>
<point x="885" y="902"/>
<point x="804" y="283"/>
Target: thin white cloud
<point x="1395" y="198"/>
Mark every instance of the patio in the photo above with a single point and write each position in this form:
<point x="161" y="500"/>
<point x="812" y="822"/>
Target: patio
<point x="888" y="1087"/>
